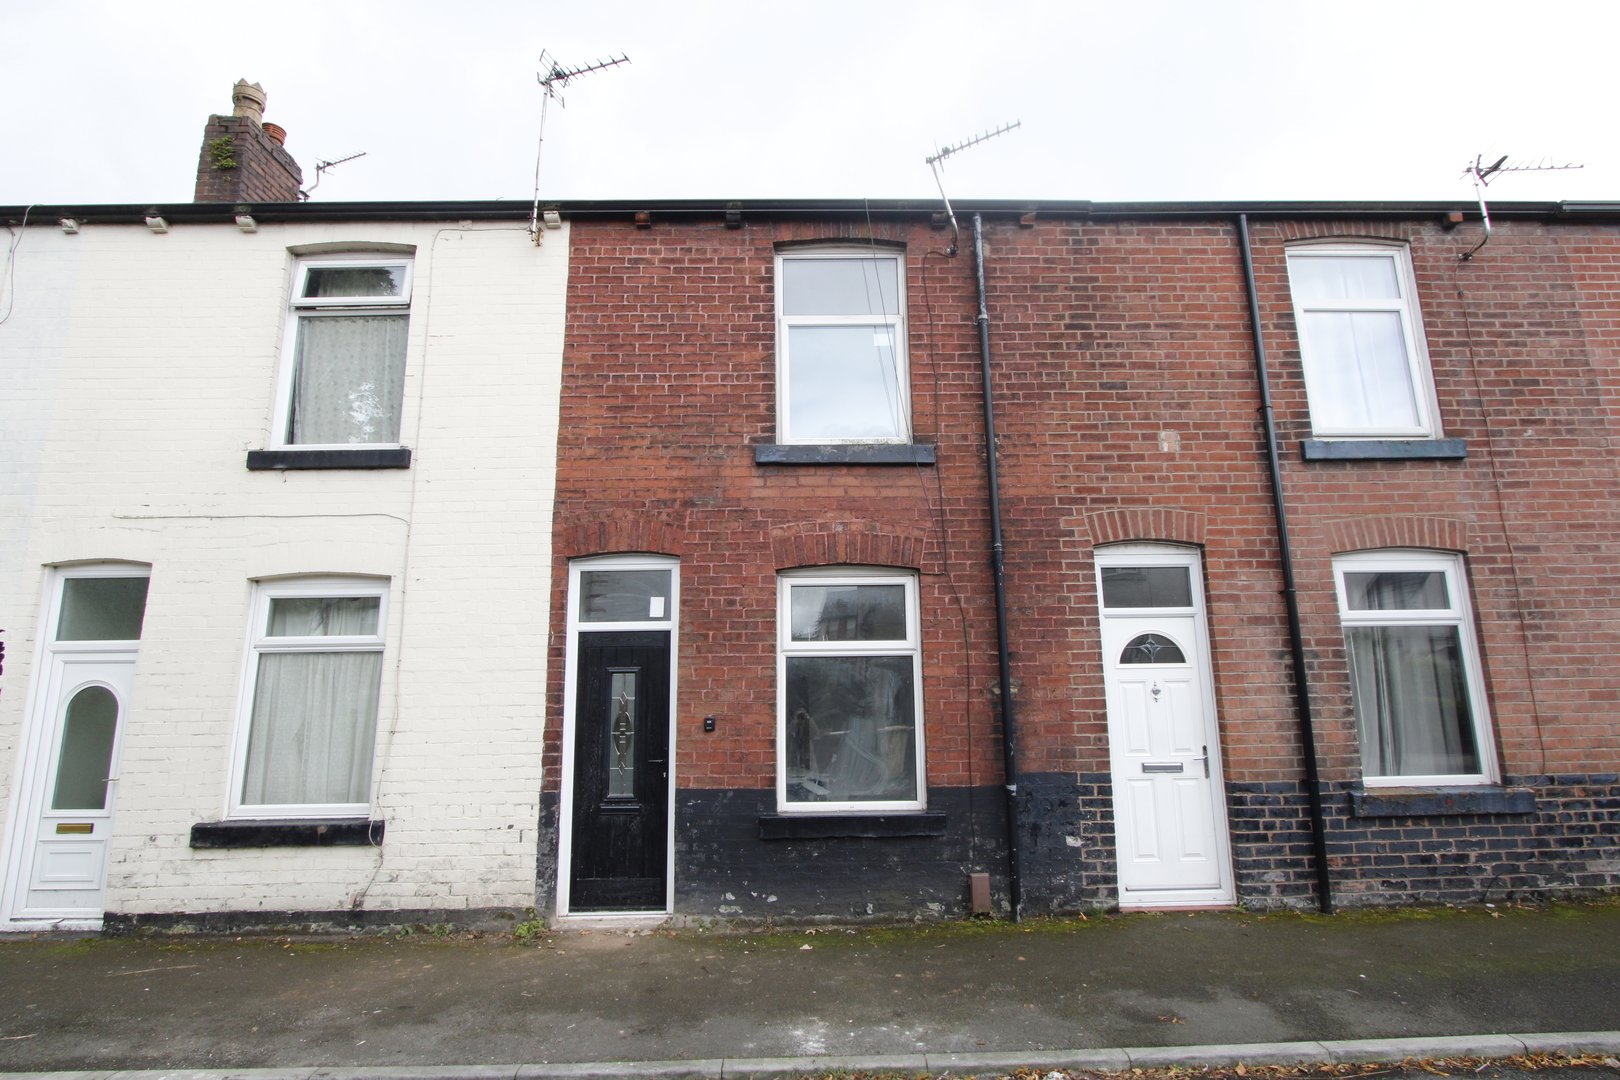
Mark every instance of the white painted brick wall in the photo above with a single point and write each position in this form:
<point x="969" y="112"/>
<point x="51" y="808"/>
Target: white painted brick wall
<point x="136" y="372"/>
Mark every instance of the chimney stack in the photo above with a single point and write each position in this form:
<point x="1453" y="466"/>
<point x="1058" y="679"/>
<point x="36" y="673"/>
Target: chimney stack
<point x="242" y="158"/>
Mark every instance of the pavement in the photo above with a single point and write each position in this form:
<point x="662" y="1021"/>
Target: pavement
<point x="1110" y="992"/>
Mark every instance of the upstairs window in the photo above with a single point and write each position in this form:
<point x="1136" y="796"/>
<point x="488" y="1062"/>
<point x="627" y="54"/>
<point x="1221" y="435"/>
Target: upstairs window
<point x="1360" y="341"/>
<point x="343" y="372"/>
<point x="840" y="346"/>
<point x="849" y="692"/>
<point x="1414" y="669"/>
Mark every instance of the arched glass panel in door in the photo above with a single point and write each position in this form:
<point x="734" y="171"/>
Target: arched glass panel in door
<point x="1152" y="649"/>
<point x="88" y="728"/>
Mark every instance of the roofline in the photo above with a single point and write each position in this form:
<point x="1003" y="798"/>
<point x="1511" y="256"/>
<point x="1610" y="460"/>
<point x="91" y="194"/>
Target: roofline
<point x="678" y="209"/>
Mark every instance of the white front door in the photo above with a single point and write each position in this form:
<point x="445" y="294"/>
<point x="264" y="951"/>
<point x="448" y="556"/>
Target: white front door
<point x="68" y="868"/>
<point x="1169" y="810"/>
<point x="62" y="810"/>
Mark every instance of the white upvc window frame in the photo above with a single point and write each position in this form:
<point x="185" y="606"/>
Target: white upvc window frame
<point x="1419" y="372"/>
<point x="1458" y="614"/>
<point x="300" y="308"/>
<point x="895" y="322"/>
<point x="260" y="643"/>
<point x="909" y="646"/>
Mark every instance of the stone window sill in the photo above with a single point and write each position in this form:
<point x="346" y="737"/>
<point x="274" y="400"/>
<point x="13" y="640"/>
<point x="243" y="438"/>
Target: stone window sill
<point x="1383" y="449"/>
<point x="363" y="457"/>
<point x="843" y="454"/>
<point x="344" y="832"/>
<point x="866" y="826"/>
<point x="1441" y="801"/>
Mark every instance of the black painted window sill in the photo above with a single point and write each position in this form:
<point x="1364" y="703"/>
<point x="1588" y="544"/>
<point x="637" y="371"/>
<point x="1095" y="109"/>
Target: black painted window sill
<point x="1383" y="449"/>
<point x="336" y="832"/>
<point x="867" y="826"/>
<point x="1441" y="801"/>
<point x="360" y="457"/>
<point x="843" y="454"/>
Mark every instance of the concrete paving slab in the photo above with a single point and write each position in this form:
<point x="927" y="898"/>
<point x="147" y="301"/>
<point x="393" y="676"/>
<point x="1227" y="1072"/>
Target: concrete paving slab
<point x="778" y="1068"/>
<point x="1108" y="1060"/>
<point x="418" y="1072"/>
<point x="699" y="1069"/>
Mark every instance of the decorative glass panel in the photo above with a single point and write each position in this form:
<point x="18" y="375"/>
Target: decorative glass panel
<point x="843" y="383"/>
<point x="1411" y="700"/>
<point x="840" y="286"/>
<point x="335" y="281"/>
<point x="848" y="612"/>
<point x="348" y="379"/>
<point x="850" y="729"/>
<point x="1152" y="649"/>
<point x="102" y="609"/>
<point x="323" y="616"/>
<point x="88" y="728"/>
<point x="621" y="763"/>
<point x="1392" y="590"/>
<point x="1146" y="587"/>
<point x="624" y="596"/>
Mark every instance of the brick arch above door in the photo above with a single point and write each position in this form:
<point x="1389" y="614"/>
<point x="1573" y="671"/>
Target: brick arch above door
<point x="620" y="531"/>
<point x="1146" y="523"/>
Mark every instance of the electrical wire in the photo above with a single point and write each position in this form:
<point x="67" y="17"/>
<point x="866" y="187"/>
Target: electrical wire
<point x="9" y="277"/>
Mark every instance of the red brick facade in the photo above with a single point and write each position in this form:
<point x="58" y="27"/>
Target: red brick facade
<point x="1128" y="410"/>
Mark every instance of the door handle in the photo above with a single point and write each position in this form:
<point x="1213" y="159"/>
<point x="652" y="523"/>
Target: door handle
<point x="1206" y="761"/>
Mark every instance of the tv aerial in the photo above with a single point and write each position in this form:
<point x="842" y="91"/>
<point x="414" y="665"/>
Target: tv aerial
<point x="554" y="78"/>
<point x="320" y="171"/>
<point x="938" y="158"/>
<point x="1482" y="175"/>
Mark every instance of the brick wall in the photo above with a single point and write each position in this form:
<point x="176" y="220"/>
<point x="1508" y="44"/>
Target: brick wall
<point x="238" y="162"/>
<point x="139" y="371"/>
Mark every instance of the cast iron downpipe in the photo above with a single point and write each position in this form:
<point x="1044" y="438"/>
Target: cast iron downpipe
<point x="1296" y="637"/>
<point x="1009" y="730"/>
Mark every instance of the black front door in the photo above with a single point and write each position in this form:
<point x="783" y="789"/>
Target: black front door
<point x="621" y="773"/>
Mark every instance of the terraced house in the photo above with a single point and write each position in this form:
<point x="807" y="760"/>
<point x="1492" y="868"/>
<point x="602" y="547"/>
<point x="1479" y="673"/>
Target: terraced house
<point x="802" y="560"/>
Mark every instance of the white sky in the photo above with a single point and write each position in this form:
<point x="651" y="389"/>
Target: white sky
<point x="105" y="100"/>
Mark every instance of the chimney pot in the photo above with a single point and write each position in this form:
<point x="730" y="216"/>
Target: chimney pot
<point x="248" y="99"/>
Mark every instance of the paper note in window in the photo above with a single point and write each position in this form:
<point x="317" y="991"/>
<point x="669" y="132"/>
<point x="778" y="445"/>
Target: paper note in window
<point x="655" y="607"/>
<point x="882" y="340"/>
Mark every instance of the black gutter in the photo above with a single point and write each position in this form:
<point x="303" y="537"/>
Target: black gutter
<point x="1296" y="636"/>
<point x="1009" y="729"/>
<point x="47" y="214"/>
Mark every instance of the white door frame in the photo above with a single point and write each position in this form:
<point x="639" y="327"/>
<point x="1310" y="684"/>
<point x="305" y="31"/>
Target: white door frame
<point x="1224" y="892"/>
<point x="565" y="791"/>
<point x="37" y="747"/>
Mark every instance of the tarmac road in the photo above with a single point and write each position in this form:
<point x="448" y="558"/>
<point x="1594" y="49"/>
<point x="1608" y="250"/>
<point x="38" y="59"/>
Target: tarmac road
<point x="979" y="989"/>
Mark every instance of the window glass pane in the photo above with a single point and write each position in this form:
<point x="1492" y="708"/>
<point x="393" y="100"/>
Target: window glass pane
<point x="850" y="729"/>
<point x="1345" y="277"/>
<point x="1411" y="701"/>
<point x="324" y="281"/>
<point x="88" y="728"/>
<point x="314" y="719"/>
<point x="348" y="379"/>
<point x="323" y="616"/>
<point x="1152" y="649"/>
<point x="840" y="287"/>
<point x="624" y="595"/>
<point x="1356" y="370"/>
<point x="1397" y="590"/>
<point x="102" y="609"/>
<point x="1146" y="586"/>
<point x="848" y="612"/>
<point x="843" y="383"/>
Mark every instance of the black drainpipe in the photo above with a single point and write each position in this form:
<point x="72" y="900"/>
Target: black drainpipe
<point x="1009" y="731"/>
<point x="1296" y="638"/>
